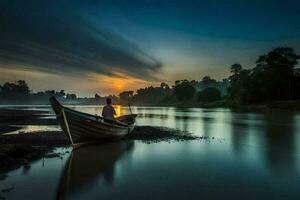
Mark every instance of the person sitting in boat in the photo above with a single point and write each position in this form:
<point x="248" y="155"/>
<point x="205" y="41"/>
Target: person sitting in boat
<point x="108" y="111"/>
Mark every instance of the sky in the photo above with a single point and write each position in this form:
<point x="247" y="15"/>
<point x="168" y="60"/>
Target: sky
<point x="107" y="46"/>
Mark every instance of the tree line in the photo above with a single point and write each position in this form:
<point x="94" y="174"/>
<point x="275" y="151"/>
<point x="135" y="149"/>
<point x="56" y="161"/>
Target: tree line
<point x="274" y="78"/>
<point x="20" y="93"/>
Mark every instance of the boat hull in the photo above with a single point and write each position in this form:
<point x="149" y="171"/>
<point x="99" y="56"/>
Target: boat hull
<point x="82" y="127"/>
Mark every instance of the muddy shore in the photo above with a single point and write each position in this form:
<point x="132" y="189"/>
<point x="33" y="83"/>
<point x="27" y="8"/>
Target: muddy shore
<point x="19" y="149"/>
<point x="13" y="156"/>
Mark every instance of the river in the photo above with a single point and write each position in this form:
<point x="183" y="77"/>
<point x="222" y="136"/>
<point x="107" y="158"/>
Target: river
<point x="245" y="155"/>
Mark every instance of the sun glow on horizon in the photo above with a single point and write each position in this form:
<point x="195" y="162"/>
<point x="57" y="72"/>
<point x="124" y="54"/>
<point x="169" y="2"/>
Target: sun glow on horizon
<point x="116" y="85"/>
<point x="86" y="85"/>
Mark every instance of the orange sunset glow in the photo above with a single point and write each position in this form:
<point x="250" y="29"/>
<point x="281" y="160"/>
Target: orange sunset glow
<point x="119" y="84"/>
<point x="94" y="83"/>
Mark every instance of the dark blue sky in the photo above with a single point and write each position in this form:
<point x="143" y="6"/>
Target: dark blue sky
<point x="246" y="20"/>
<point x="86" y="42"/>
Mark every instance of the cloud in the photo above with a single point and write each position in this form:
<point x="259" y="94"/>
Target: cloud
<point x="57" y="37"/>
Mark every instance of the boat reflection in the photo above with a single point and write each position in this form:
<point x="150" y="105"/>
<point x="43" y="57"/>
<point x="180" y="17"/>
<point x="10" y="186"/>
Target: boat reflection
<point x="87" y="164"/>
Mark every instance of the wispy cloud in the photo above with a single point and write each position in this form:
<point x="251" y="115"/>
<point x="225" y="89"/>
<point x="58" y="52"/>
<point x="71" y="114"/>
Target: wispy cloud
<point x="55" y="36"/>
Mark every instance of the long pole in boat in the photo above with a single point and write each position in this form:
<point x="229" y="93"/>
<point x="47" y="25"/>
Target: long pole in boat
<point x="129" y="108"/>
<point x="131" y="114"/>
<point x="67" y="127"/>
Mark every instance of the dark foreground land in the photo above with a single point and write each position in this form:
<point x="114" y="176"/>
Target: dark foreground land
<point x="18" y="150"/>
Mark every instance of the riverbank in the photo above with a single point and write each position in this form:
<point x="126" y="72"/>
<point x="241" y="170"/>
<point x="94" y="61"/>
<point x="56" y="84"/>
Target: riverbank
<point x="13" y="156"/>
<point x="18" y="150"/>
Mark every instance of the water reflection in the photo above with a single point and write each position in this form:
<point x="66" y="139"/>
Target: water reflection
<point x="207" y="126"/>
<point x="87" y="164"/>
<point x="260" y="157"/>
<point x="239" y="132"/>
<point x="182" y="118"/>
<point x="279" y="139"/>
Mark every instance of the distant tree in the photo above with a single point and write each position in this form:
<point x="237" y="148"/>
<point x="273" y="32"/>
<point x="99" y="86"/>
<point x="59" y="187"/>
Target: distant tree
<point x="97" y="96"/>
<point x="206" y="79"/>
<point x="15" y="92"/>
<point x="164" y="85"/>
<point x="283" y="56"/>
<point x="209" y="95"/>
<point x="9" y="91"/>
<point x="23" y="88"/>
<point x="223" y="86"/>
<point x="274" y="74"/>
<point x="61" y="94"/>
<point x="177" y="82"/>
<point x="40" y="95"/>
<point x="71" y="97"/>
<point x="152" y="95"/>
<point x="126" y="96"/>
<point x="272" y="79"/>
<point x="184" y="90"/>
<point x="236" y="68"/>
<point x="50" y="93"/>
<point x="239" y="84"/>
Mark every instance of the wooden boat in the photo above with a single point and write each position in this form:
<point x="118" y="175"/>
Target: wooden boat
<point x="82" y="128"/>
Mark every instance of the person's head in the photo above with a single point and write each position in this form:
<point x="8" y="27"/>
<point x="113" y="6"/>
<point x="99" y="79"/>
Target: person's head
<point x="108" y="101"/>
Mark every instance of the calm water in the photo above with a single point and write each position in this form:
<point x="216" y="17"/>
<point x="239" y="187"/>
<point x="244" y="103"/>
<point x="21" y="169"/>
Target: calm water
<point x="248" y="155"/>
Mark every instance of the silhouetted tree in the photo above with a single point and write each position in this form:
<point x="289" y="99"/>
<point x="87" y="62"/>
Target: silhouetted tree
<point x="209" y="95"/>
<point x="152" y="95"/>
<point x="71" y="96"/>
<point x="274" y="73"/>
<point x="97" y="97"/>
<point x="272" y="79"/>
<point x="236" y="68"/>
<point x="207" y="81"/>
<point x="184" y="90"/>
<point x="164" y="85"/>
<point x="239" y="84"/>
<point x="15" y="92"/>
<point x="61" y="94"/>
<point x="126" y="96"/>
<point x="22" y="88"/>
